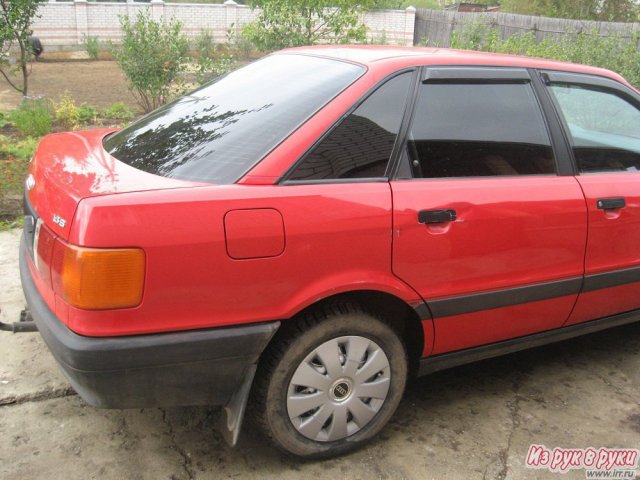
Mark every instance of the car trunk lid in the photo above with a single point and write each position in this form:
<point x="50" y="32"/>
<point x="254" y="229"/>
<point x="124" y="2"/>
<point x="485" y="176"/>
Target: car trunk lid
<point x="68" y="167"/>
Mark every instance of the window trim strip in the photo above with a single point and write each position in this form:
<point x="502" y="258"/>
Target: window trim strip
<point x="480" y="74"/>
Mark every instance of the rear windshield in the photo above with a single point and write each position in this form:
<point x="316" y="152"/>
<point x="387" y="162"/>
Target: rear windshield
<point x="219" y="131"/>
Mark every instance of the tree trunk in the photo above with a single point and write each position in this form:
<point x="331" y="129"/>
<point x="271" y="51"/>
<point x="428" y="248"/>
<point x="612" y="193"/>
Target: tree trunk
<point x="25" y="75"/>
<point x="23" y="67"/>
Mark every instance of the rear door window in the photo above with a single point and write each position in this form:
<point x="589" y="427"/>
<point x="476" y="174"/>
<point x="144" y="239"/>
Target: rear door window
<point x="478" y="130"/>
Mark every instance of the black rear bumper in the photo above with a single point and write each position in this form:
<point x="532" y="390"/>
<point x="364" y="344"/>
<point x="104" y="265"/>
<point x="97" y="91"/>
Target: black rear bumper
<point x="199" y="367"/>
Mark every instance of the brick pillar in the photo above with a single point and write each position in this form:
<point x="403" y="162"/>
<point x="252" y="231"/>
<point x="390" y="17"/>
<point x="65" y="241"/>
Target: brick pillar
<point x="231" y="16"/>
<point x="82" y="26"/>
<point x="409" y="25"/>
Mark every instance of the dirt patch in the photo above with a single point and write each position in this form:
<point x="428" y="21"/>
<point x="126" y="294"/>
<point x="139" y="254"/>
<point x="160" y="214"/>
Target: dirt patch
<point x="99" y="83"/>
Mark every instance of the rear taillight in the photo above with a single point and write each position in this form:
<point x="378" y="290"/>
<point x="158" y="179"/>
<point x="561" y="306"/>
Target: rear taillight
<point x="98" y="278"/>
<point x="89" y="278"/>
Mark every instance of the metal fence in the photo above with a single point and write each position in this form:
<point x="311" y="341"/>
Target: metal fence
<point x="434" y="27"/>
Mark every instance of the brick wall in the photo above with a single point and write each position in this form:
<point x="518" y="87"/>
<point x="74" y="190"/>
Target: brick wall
<point x="64" y="24"/>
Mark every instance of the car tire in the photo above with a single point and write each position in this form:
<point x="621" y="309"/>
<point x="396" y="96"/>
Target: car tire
<point x="329" y="382"/>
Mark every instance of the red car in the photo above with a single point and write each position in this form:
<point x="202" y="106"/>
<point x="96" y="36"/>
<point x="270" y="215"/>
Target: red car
<point x="311" y="229"/>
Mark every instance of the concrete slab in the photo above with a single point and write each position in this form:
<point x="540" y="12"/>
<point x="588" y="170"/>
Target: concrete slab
<point x="27" y="369"/>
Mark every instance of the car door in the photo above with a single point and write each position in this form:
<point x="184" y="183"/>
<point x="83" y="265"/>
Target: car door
<point x="489" y="223"/>
<point x="602" y="121"/>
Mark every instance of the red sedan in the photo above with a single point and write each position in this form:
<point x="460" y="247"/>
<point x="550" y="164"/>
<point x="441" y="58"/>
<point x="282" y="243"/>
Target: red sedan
<point x="309" y="230"/>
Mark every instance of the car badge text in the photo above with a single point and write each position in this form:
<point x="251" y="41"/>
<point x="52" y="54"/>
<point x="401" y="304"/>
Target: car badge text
<point x="58" y="220"/>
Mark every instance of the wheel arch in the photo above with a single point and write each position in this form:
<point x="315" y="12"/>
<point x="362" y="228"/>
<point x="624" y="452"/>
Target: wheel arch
<point x="401" y="316"/>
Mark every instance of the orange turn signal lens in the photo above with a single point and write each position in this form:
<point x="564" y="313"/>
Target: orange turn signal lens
<point x="98" y="278"/>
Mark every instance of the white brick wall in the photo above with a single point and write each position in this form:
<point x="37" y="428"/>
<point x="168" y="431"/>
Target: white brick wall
<point x="65" y="24"/>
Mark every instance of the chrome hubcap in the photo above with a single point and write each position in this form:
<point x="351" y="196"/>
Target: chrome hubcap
<point x="338" y="388"/>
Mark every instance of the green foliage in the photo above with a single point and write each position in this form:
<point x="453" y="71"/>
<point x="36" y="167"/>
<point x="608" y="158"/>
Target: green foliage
<point x="290" y="23"/>
<point x="615" y="53"/>
<point x="14" y="163"/>
<point x="211" y="68"/>
<point x="5" y="119"/>
<point x="118" y="111"/>
<point x="87" y="113"/>
<point x="20" y="149"/>
<point x="91" y="45"/>
<point x="32" y="118"/>
<point x="211" y="63"/>
<point x="238" y="42"/>
<point x="16" y="17"/>
<point x="205" y="45"/>
<point x="66" y="112"/>
<point x="605" y="10"/>
<point x="152" y="56"/>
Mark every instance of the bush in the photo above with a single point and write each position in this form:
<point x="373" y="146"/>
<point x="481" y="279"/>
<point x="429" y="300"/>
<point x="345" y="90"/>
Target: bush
<point x="15" y="157"/>
<point x="66" y="113"/>
<point x="205" y="45"/>
<point x="152" y="56"/>
<point x="118" y="111"/>
<point x="240" y="43"/>
<point x="87" y="113"/>
<point x="291" y="23"/>
<point x="210" y="63"/>
<point x="589" y="48"/>
<point x="32" y="117"/>
<point x="91" y="46"/>
<point x="5" y="119"/>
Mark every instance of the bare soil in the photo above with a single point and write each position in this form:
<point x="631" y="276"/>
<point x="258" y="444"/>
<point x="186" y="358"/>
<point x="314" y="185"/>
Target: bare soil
<point x="96" y="82"/>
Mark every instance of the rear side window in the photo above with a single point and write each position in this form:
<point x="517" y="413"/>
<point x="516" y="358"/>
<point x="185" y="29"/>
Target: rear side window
<point x="474" y="129"/>
<point x="604" y="127"/>
<point x="218" y="132"/>
<point x="360" y="146"/>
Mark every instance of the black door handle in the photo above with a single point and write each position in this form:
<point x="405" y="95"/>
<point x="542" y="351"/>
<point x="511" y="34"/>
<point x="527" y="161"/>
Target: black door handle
<point x="436" y="216"/>
<point x="611" y="203"/>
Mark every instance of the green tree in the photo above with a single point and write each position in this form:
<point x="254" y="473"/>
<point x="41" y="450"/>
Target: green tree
<point x="16" y="17"/>
<point x="291" y="23"/>
<point x="606" y="10"/>
<point x="152" y="56"/>
<point x="619" y="11"/>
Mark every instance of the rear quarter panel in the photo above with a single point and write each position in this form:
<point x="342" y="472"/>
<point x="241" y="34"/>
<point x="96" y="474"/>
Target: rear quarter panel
<point x="337" y="238"/>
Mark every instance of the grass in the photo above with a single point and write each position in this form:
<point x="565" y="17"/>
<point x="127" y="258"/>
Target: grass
<point x="33" y="117"/>
<point x="10" y="224"/>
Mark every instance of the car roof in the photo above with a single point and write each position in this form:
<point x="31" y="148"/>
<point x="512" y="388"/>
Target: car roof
<point x="370" y="55"/>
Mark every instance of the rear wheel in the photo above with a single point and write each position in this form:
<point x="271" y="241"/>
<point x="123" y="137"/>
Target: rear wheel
<point x="331" y="382"/>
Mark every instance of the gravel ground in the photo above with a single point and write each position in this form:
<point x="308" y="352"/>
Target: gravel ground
<point x="472" y="422"/>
